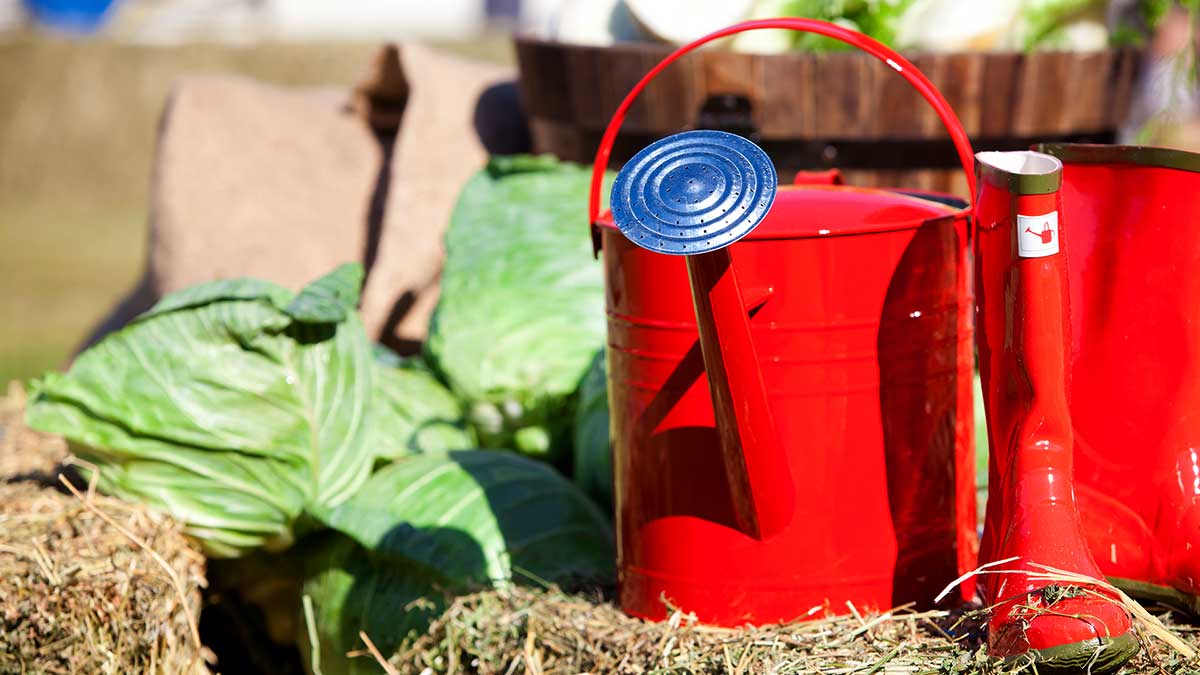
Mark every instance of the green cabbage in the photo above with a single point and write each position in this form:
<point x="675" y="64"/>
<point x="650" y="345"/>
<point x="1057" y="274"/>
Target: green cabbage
<point x="876" y="18"/>
<point x="593" y="452"/>
<point x="521" y="309"/>
<point x="238" y="405"/>
<point x="981" y="450"/>
<point x="1048" y="24"/>
<point x="415" y="413"/>
<point x="432" y="525"/>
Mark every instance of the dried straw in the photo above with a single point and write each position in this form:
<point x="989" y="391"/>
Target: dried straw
<point x="88" y="584"/>
<point x="79" y="597"/>
<point x="519" y="631"/>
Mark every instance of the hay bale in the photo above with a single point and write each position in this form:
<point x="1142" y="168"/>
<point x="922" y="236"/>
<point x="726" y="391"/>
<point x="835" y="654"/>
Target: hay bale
<point x="547" y="632"/>
<point x="551" y="633"/>
<point x="25" y="453"/>
<point x="80" y="596"/>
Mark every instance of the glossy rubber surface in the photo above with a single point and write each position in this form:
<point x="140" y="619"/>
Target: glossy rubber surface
<point x="864" y="342"/>
<point x="1031" y="511"/>
<point x="1135" y="359"/>
<point x="693" y="192"/>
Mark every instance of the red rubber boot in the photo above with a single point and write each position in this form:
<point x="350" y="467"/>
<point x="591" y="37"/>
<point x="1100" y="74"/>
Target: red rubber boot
<point x="1134" y="216"/>
<point x="1031" y="513"/>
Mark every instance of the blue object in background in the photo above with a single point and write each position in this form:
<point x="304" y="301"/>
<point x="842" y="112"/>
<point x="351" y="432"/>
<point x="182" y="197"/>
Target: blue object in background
<point x="70" y="16"/>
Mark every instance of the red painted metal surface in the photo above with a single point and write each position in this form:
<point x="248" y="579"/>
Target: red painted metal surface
<point x="1135" y="357"/>
<point x="760" y="485"/>
<point x="849" y="313"/>
<point x="1031" y="515"/>
<point x="865" y="348"/>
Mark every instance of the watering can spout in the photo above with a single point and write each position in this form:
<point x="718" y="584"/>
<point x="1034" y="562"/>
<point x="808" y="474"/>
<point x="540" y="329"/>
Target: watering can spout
<point x="693" y="194"/>
<point x="759" y="478"/>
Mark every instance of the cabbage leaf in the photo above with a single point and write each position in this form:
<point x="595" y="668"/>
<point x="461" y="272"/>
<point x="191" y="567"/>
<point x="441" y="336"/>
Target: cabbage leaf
<point x="1047" y="24"/>
<point x="521" y="309"/>
<point x="233" y="405"/>
<point x="593" y="452"/>
<point x="876" y="18"/>
<point x="432" y="525"/>
<point x="414" y="412"/>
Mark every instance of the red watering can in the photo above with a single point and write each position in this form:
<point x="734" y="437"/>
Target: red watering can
<point x="789" y="377"/>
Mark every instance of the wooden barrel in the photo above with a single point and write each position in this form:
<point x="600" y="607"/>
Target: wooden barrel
<point x="818" y="111"/>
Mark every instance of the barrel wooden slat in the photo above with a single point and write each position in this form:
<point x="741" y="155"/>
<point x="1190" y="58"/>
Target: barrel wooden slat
<point x="725" y="73"/>
<point x="789" y="109"/>
<point x="940" y="65"/>
<point x="962" y="78"/>
<point x="545" y="79"/>
<point x="999" y="82"/>
<point x="1121" y="82"/>
<point x="1086" y="91"/>
<point x="836" y="85"/>
<point x="826" y="108"/>
<point x="617" y="74"/>
<point x="870" y="74"/>
<point x="1041" y="106"/>
<point x="664" y="96"/>
<point x="901" y="116"/>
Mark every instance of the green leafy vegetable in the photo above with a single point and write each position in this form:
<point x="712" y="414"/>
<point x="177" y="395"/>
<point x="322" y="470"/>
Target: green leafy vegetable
<point x="875" y="18"/>
<point x="442" y="523"/>
<point x="415" y="413"/>
<point x="981" y="450"/>
<point x="1135" y="22"/>
<point x="232" y="405"/>
<point x="521" y="309"/>
<point x="593" y="453"/>
<point x="1056" y="24"/>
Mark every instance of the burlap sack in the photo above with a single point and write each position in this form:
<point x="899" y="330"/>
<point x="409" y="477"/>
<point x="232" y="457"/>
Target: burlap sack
<point x="252" y="179"/>
<point x="438" y="147"/>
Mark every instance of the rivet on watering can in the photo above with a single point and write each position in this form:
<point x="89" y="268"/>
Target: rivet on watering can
<point x="695" y="191"/>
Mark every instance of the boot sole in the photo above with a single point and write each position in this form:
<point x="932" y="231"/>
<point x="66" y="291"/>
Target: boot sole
<point x="1100" y="656"/>
<point x="1164" y="595"/>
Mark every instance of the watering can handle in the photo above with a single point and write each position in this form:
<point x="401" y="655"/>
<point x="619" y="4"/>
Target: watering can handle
<point x="873" y="47"/>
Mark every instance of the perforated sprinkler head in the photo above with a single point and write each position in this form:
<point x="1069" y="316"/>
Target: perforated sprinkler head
<point x="693" y="192"/>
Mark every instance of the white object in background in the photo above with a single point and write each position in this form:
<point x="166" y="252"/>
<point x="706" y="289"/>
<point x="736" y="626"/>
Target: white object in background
<point x="537" y="18"/>
<point x="596" y="22"/>
<point x="374" y="19"/>
<point x="173" y="22"/>
<point x="768" y="40"/>
<point x="681" y="21"/>
<point x="958" y="25"/>
<point x="1085" y="35"/>
<point x="12" y="15"/>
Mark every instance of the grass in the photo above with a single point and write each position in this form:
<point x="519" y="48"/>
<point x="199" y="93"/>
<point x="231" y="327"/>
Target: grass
<point x="62" y="272"/>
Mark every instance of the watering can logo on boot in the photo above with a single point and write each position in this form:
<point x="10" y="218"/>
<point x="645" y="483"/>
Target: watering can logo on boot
<point x="790" y="378"/>
<point x="1038" y="235"/>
